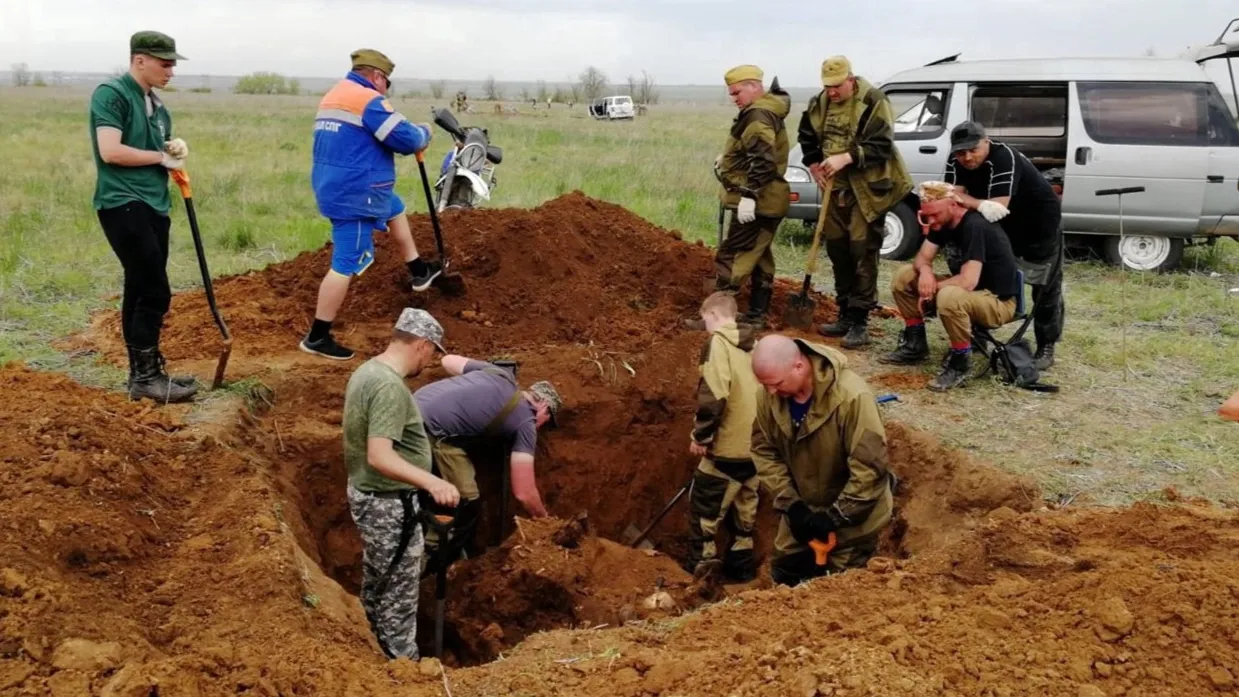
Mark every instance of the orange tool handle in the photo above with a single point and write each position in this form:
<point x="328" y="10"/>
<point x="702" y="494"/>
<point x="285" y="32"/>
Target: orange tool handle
<point x="821" y="550"/>
<point x="443" y="518"/>
<point x="181" y="177"/>
<point x="420" y="155"/>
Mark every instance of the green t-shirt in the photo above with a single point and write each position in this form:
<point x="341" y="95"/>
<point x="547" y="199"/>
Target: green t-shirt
<point x="377" y="404"/>
<point x="119" y="103"/>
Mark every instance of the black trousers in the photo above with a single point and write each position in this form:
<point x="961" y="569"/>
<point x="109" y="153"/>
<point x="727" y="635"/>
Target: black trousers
<point x="1049" y="318"/>
<point x="138" y="235"/>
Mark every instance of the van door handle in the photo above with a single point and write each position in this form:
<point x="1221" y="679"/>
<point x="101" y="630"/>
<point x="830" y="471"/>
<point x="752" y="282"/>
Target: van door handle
<point x="1216" y="179"/>
<point x="929" y="149"/>
<point x="1082" y="155"/>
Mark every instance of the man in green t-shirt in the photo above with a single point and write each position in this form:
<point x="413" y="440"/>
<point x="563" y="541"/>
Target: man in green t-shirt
<point x="131" y="135"/>
<point x="388" y="459"/>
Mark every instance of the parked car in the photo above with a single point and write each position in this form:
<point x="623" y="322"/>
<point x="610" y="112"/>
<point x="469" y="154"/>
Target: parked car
<point x="1087" y="124"/>
<point x="612" y="108"/>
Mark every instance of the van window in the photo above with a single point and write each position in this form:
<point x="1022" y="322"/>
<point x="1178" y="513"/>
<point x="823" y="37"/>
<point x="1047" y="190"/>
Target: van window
<point x="1013" y="110"/>
<point x="1152" y="113"/>
<point x="919" y="113"/>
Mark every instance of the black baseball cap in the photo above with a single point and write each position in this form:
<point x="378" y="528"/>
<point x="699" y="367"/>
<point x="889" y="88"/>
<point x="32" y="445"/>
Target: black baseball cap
<point x="967" y="136"/>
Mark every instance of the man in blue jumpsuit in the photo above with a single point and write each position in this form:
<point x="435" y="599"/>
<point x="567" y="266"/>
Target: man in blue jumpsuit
<point x="356" y="136"/>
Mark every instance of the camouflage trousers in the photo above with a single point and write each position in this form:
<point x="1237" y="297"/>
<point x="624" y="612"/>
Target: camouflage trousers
<point x="745" y="252"/>
<point x="853" y="246"/>
<point x="723" y="493"/>
<point x="392" y="612"/>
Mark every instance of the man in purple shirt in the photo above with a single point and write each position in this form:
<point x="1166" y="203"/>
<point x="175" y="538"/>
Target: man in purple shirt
<point x="483" y="401"/>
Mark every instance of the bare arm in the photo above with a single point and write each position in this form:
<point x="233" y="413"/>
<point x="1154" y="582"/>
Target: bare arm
<point x="454" y="364"/>
<point x="924" y="261"/>
<point x="524" y="488"/>
<point x="383" y="458"/>
<point x="969" y="276"/>
<point x="113" y="152"/>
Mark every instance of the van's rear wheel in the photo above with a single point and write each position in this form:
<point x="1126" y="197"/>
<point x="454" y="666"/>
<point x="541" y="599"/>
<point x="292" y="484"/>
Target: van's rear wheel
<point x="1145" y="252"/>
<point x="902" y="236"/>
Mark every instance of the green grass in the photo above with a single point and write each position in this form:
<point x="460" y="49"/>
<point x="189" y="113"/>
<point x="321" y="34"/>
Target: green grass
<point x="1115" y="434"/>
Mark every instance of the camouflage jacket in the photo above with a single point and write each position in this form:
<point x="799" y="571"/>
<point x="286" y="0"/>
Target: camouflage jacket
<point x="755" y="155"/>
<point x="836" y="461"/>
<point x="877" y="175"/>
<point x="726" y="398"/>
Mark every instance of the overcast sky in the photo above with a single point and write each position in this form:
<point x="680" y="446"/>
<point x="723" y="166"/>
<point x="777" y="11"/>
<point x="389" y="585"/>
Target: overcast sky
<point x="677" y="41"/>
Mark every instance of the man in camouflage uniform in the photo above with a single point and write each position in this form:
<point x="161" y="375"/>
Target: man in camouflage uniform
<point x="750" y="170"/>
<point x="820" y="447"/>
<point x="725" y="484"/>
<point x="847" y="139"/>
<point x="388" y="459"/>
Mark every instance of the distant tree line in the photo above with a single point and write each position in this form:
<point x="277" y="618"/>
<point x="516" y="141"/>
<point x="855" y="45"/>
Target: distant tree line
<point x="267" y="83"/>
<point x="591" y="84"/>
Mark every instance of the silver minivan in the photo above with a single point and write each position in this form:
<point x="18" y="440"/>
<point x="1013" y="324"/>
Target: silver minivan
<point x="1087" y="124"/>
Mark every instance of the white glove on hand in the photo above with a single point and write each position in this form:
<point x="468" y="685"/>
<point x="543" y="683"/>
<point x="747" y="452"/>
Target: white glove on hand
<point x="993" y="211"/>
<point x="747" y="211"/>
<point x="176" y="148"/>
<point x="171" y="162"/>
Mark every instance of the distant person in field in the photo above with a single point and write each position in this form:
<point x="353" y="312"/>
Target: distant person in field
<point x="847" y="138"/>
<point x="820" y="447"/>
<point x="356" y="136"/>
<point x="725" y="484"/>
<point x="750" y="170"/>
<point x="131" y="136"/>
<point x="1002" y="184"/>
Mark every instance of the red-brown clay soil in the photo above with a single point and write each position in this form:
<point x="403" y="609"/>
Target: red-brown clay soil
<point x="209" y="551"/>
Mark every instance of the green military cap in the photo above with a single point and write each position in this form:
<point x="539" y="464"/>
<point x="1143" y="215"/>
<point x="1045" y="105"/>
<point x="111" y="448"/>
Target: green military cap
<point x="372" y="58"/>
<point x="740" y="73"/>
<point x="835" y="71"/>
<point x="153" y="43"/>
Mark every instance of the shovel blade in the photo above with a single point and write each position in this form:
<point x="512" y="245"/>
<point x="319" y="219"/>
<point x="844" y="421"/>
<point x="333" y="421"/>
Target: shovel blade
<point x="631" y="533"/>
<point x="799" y="312"/>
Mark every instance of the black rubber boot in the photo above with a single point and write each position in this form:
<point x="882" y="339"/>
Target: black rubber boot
<point x="182" y="380"/>
<point x="149" y="381"/>
<point x="858" y="334"/>
<point x="912" y="349"/>
<point x="1044" y="357"/>
<point x="759" y="305"/>
<point x="955" y="374"/>
<point x="840" y="326"/>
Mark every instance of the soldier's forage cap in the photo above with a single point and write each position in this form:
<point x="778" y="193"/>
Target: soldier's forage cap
<point x="153" y="43"/>
<point x="372" y="58"/>
<point x="420" y="323"/>
<point x="740" y="73"/>
<point x="545" y="391"/>
<point x="835" y="71"/>
<point x="967" y="136"/>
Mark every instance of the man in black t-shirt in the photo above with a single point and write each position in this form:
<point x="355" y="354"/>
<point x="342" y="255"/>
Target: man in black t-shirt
<point x="1003" y="185"/>
<point x="982" y="286"/>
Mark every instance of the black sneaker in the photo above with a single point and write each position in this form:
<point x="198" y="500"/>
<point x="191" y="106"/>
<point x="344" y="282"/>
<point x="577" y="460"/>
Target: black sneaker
<point x="1044" y="357"/>
<point x="421" y="283"/>
<point x="327" y="348"/>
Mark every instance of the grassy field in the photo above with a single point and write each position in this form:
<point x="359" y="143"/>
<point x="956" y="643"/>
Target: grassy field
<point x="1114" y="434"/>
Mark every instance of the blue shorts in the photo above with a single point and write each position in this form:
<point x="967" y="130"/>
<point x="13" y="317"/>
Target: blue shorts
<point x="352" y="241"/>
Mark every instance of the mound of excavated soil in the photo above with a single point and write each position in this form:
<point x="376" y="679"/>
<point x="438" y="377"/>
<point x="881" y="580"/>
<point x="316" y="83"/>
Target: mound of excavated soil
<point x="210" y="551"/>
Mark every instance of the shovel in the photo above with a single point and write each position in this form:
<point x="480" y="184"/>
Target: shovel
<point x="181" y="177"/>
<point x="709" y="285"/>
<point x="450" y="283"/>
<point x="636" y="538"/>
<point x="800" y="308"/>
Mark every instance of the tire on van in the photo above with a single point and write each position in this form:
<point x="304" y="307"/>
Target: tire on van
<point x="903" y="233"/>
<point x="1155" y="253"/>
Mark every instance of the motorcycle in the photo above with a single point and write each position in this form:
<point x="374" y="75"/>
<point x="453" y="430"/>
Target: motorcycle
<point x="467" y="175"/>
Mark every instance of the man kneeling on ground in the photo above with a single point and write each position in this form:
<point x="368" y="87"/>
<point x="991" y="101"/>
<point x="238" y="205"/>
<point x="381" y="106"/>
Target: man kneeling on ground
<point x="725" y="484"/>
<point x="982" y="287"/>
<point x="482" y="401"/>
<point x="820" y="447"/>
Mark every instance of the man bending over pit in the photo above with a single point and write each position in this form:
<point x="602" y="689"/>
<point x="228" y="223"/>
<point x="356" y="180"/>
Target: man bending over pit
<point x="820" y="447"/>
<point x="482" y="402"/>
<point x="388" y="459"/>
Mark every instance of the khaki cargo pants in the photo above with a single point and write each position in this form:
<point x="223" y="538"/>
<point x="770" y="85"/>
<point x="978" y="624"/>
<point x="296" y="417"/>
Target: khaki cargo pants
<point x="452" y="464"/>
<point x="958" y="308"/>
<point x="746" y="251"/>
<point x="718" y="499"/>
<point x="853" y="245"/>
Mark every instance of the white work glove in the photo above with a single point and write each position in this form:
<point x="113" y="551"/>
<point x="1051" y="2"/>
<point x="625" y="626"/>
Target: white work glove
<point x="171" y="162"/>
<point x="747" y="211"/>
<point x="993" y="210"/>
<point x="176" y="148"/>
